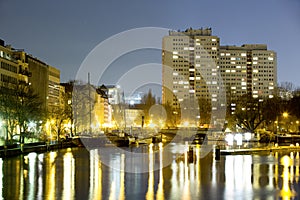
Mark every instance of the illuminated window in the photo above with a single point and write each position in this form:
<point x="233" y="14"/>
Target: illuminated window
<point x="255" y="71"/>
<point x="191" y="70"/>
<point x="175" y="57"/>
<point x="175" y="74"/>
<point x="255" y="58"/>
<point x="213" y="40"/>
<point x="270" y="58"/>
<point x="175" y="52"/>
<point x="214" y="48"/>
<point x="232" y="58"/>
<point x="222" y="54"/>
<point x="244" y="83"/>
<point x="255" y="96"/>
<point x="254" y="63"/>
<point x="244" y="88"/>
<point x="238" y="67"/>
<point x="243" y="54"/>
<point x="227" y="54"/>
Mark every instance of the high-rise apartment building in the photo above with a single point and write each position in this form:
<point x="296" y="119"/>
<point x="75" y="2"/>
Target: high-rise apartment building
<point x="195" y="66"/>
<point x="249" y="69"/>
<point x="190" y="70"/>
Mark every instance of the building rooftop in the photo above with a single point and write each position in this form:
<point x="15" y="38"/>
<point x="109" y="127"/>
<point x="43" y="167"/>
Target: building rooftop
<point x="192" y="32"/>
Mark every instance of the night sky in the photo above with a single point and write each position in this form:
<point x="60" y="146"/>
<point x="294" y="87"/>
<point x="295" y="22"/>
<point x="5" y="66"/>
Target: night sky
<point x="63" y="32"/>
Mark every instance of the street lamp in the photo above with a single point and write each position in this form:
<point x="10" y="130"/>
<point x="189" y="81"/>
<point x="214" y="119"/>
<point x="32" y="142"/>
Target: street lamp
<point x="285" y="115"/>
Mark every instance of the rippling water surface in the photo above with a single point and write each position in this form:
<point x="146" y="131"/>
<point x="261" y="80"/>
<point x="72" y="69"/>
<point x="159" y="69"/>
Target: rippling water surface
<point x="168" y="173"/>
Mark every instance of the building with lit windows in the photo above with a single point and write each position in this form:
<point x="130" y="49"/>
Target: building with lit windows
<point x="13" y="71"/>
<point x="18" y="67"/>
<point x="190" y="71"/>
<point x="54" y="90"/>
<point x="249" y="69"/>
<point x="195" y="66"/>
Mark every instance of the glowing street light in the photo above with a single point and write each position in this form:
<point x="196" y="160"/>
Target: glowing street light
<point x="285" y="115"/>
<point x="229" y="139"/>
<point x="239" y="139"/>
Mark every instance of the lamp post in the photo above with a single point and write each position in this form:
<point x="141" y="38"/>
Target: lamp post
<point x="285" y="116"/>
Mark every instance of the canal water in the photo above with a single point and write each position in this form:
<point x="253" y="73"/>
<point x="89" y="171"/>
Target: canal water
<point x="167" y="173"/>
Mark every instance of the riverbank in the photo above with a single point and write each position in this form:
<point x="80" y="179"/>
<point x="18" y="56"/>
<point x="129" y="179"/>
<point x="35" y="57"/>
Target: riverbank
<point x="18" y="149"/>
<point x="258" y="150"/>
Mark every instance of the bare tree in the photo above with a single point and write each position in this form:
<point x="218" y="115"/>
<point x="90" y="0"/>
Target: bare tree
<point x="248" y="113"/>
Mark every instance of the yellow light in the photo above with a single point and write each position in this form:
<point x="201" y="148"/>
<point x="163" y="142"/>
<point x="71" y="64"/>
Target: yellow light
<point x="285" y="114"/>
<point x="186" y="123"/>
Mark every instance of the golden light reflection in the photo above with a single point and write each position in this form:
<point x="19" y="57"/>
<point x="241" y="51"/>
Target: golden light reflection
<point x="160" y="189"/>
<point x="150" y="191"/>
<point x="50" y="171"/>
<point x="95" y="176"/>
<point x="122" y="178"/>
<point x="174" y="179"/>
<point x="186" y="189"/>
<point x="69" y="175"/>
<point x="286" y="192"/>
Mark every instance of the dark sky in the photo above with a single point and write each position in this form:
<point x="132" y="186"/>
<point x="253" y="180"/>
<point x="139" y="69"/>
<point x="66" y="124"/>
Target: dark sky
<point x="63" y="32"/>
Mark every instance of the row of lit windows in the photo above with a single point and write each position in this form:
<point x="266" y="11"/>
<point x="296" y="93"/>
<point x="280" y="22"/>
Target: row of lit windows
<point x="232" y="58"/>
<point x="233" y="67"/>
<point x="232" y="63"/>
<point x="233" y="54"/>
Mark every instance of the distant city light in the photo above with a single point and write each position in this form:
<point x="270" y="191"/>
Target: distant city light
<point x="229" y="139"/>
<point x="239" y="139"/>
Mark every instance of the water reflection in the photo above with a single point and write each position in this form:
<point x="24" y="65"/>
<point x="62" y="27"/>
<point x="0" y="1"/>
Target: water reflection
<point x="79" y="174"/>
